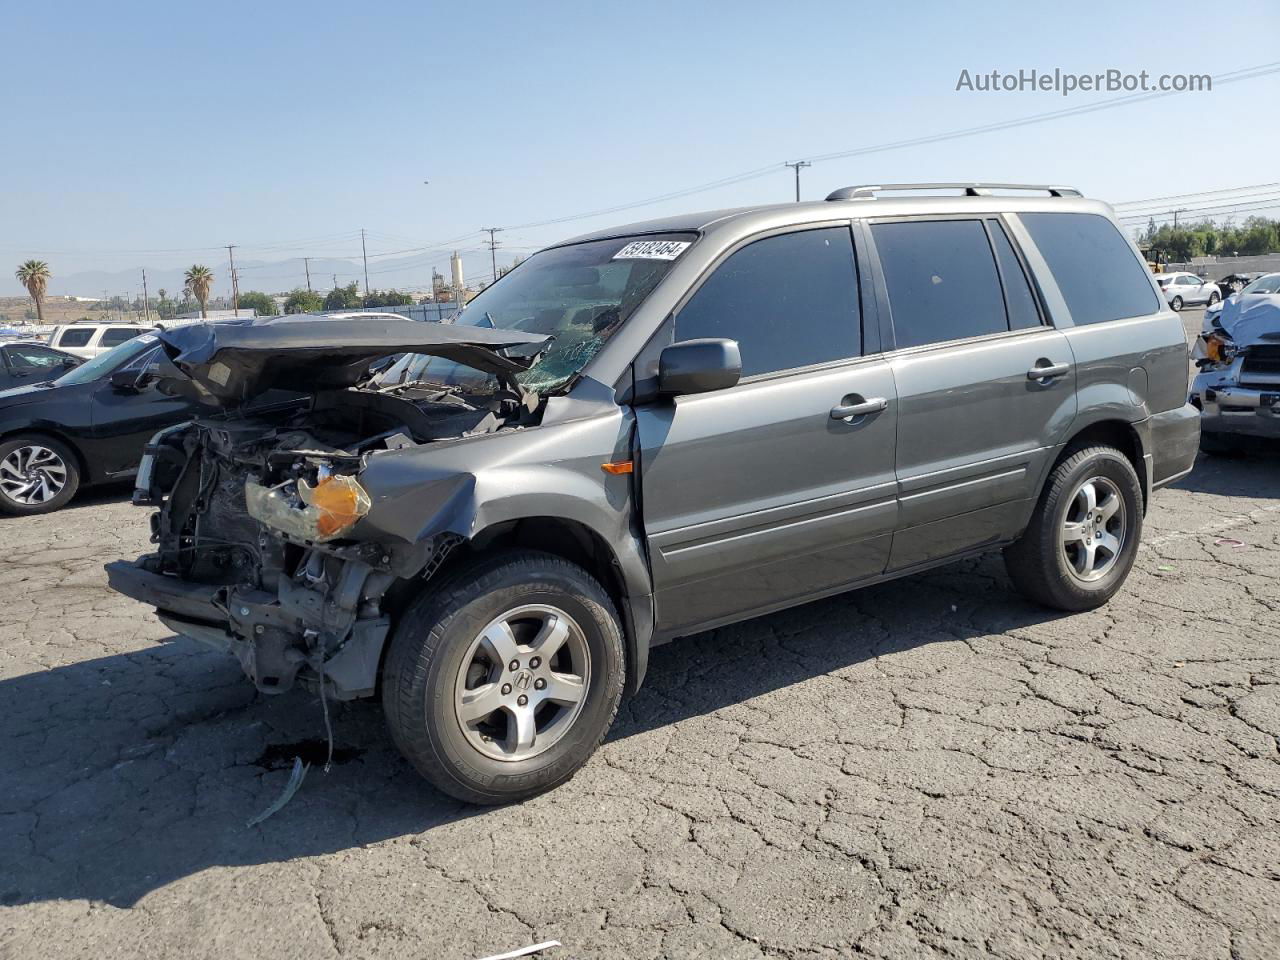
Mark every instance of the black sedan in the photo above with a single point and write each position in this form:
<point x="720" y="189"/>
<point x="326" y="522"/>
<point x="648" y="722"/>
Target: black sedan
<point x="87" y="426"/>
<point x="23" y="362"/>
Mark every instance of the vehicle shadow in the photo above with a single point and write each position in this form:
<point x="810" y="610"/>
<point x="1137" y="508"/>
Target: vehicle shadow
<point x="1251" y="474"/>
<point x="118" y="492"/>
<point x="125" y="773"/>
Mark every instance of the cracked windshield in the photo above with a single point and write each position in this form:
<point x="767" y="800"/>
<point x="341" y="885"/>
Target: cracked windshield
<point x="579" y="294"/>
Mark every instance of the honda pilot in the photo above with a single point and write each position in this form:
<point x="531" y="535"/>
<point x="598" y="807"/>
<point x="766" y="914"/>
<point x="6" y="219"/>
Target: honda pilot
<point x="655" y="430"/>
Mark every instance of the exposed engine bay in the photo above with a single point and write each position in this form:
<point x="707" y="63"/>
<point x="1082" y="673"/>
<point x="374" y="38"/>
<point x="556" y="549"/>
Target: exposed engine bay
<point x="259" y="548"/>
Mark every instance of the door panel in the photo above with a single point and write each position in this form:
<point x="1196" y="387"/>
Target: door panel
<point x="124" y="422"/>
<point x="974" y="435"/>
<point x="756" y="497"/>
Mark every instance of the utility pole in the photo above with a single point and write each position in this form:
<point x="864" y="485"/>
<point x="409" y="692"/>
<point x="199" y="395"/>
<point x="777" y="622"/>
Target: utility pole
<point x="146" y="299"/>
<point x="1175" y="216"/>
<point x="796" y="166"/>
<point x="365" y="254"/>
<point x="493" y="248"/>
<point x="306" y="264"/>
<point x="235" y="283"/>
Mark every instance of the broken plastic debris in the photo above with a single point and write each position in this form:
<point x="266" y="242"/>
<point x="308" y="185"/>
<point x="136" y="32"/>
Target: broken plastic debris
<point x="524" y="951"/>
<point x="1228" y="542"/>
<point x="1165" y="567"/>
<point x="290" y="788"/>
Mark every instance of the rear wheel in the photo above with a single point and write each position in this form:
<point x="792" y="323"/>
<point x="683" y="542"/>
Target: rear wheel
<point x="37" y="474"/>
<point x="1084" y="534"/>
<point x="1176" y="303"/>
<point x="501" y="681"/>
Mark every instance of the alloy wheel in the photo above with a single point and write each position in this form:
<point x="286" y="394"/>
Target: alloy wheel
<point x="1094" y="530"/>
<point x="32" y="475"/>
<point x="522" y="682"/>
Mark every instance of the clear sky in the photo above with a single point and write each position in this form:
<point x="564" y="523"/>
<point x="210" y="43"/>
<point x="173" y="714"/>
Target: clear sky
<point x="149" y="134"/>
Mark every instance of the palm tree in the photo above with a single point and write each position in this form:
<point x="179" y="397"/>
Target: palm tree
<point x="34" y="275"/>
<point x="199" y="281"/>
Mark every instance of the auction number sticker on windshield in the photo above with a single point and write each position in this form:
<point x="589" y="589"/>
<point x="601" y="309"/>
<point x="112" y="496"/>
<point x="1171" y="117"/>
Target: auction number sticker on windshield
<point x="652" y="250"/>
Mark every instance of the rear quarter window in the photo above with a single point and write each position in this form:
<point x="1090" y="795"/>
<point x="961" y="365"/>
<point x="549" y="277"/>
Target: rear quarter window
<point x="1094" y="266"/>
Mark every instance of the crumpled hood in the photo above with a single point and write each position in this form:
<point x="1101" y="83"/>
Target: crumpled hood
<point x="1251" y="319"/>
<point x="226" y="364"/>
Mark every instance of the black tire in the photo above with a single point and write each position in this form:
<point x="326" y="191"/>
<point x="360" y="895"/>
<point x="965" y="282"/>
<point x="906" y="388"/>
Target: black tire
<point x="426" y="656"/>
<point x="71" y="469"/>
<point x="1037" y="564"/>
<point x="1176" y="303"/>
<point x="1214" y="297"/>
<point x="1220" y="445"/>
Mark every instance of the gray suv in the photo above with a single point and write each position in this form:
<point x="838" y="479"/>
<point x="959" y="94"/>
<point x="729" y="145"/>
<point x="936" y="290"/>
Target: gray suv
<point x="655" y="430"/>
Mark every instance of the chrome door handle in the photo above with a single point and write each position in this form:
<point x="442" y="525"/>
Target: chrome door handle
<point x="1048" y="371"/>
<point x="851" y="410"/>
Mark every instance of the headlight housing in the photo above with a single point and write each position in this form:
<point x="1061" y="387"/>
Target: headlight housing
<point x="320" y="513"/>
<point x="1219" y="349"/>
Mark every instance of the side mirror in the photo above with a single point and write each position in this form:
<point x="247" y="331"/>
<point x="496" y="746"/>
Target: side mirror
<point x="71" y="362"/>
<point x="699" y="366"/>
<point x="124" y="381"/>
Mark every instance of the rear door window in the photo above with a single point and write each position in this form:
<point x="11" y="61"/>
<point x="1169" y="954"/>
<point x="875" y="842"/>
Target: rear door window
<point x="942" y="281"/>
<point x="1094" y="266"/>
<point x="76" y="337"/>
<point x="789" y="300"/>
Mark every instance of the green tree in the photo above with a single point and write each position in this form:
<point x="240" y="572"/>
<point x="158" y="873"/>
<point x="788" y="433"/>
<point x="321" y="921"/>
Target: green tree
<point x="387" y="298"/>
<point x="304" y="301"/>
<point x="34" y="275"/>
<point x="254" y="300"/>
<point x="343" y="298"/>
<point x="198" y="281"/>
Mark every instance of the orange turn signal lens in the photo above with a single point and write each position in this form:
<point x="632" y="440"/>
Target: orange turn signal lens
<point x="618" y="467"/>
<point x="338" y="501"/>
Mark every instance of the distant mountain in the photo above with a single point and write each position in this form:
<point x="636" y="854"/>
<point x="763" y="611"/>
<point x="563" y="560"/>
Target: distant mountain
<point x="404" y="273"/>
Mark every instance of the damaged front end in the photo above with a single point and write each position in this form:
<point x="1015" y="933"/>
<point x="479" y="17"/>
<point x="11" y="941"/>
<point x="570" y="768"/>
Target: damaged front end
<point x="260" y="549"/>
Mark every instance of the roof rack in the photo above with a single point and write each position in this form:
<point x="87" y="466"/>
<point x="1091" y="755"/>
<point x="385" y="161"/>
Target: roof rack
<point x="868" y="192"/>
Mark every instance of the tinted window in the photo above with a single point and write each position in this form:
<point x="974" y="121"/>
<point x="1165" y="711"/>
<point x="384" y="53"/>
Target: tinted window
<point x="1017" y="291"/>
<point x="941" y="279"/>
<point x="789" y="301"/>
<point x="118" y="335"/>
<point x="1096" y="270"/>
<point x="30" y="357"/>
<point x="76" y="338"/>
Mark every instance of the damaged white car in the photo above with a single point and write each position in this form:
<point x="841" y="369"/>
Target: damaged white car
<point x="1238" y="353"/>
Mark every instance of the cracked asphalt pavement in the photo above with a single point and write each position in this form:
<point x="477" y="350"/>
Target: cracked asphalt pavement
<point x="928" y="768"/>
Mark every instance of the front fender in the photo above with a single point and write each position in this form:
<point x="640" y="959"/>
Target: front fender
<point x="463" y="487"/>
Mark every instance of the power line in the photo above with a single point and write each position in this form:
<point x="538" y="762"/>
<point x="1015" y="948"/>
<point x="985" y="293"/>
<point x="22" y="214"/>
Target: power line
<point x="1202" y="193"/>
<point x="1247" y="73"/>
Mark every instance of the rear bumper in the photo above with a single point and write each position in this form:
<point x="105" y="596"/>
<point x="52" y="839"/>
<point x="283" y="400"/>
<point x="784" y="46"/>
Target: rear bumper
<point x="1174" y="443"/>
<point x="275" y="637"/>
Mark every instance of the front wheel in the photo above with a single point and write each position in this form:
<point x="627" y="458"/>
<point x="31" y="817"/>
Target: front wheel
<point x="1214" y="298"/>
<point x="1083" y="537"/>
<point x="38" y="474"/>
<point x="1176" y="303"/>
<point x="501" y="681"/>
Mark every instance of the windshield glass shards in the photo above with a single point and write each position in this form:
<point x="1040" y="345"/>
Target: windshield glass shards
<point x="580" y="295"/>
